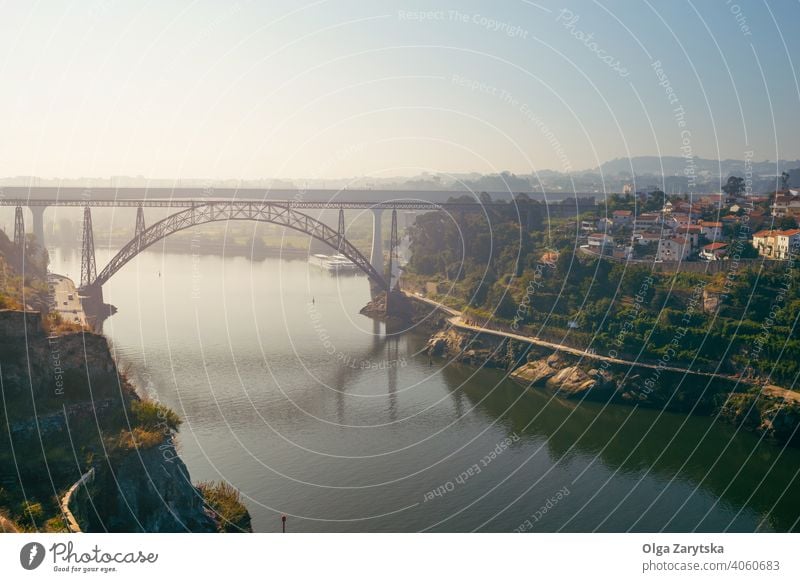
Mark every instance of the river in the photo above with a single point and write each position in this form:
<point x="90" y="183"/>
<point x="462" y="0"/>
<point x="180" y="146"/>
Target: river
<point x="311" y="411"/>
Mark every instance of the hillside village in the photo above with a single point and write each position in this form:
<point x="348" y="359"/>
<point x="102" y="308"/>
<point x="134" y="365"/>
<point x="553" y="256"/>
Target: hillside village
<point x="657" y="228"/>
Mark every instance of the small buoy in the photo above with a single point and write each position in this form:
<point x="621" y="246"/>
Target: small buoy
<point x="283" y="523"/>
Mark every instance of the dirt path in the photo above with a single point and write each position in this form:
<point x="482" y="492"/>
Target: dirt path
<point x="457" y="320"/>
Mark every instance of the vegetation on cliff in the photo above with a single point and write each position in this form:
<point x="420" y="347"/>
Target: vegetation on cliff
<point x="502" y="270"/>
<point x="23" y="280"/>
<point x="225" y="502"/>
<point x="150" y="423"/>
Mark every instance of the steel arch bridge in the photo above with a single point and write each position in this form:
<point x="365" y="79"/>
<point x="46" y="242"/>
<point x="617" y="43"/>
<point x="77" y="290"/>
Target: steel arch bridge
<point x="218" y="211"/>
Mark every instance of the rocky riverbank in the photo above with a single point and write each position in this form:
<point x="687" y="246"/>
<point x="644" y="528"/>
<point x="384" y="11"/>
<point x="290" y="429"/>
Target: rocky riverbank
<point x="771" y="411"/>
<point x="69" y="410"/>
<point x="400" y="309"/>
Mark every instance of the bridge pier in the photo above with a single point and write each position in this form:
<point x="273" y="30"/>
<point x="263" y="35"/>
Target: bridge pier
<point x="95" y="308"/>
<point x="88" y="264"/>
<point x="376" y="258"/>
<point x="19" y="229"/>
<point x="38" y="223"/>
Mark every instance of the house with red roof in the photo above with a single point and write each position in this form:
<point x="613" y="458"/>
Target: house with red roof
<point x="622" y="217"/>
<point x="713" y="251"/>
<point x="710" y="230"/>
<point x="785" y="204"/>
<point x="777" y="244"/>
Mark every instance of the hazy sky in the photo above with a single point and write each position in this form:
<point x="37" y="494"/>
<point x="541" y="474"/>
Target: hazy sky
<point x="339" y="88"/>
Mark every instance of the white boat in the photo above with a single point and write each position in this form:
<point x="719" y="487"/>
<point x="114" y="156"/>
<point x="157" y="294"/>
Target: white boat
<point x="318" y="260"/>
<point x="333" y="263"/>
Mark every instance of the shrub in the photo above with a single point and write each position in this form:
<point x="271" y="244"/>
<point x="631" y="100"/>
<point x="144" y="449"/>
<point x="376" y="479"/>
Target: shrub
<point x="224" y="500"/>
<point x="30" y="515"/>
<point x="152" y="416"/>
<point x="56" y="525"/>
<point x="57" y="325"/>
<point x="140" y="438"/>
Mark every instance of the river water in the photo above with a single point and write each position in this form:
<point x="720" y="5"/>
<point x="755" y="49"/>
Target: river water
<point x="311" y="411"/>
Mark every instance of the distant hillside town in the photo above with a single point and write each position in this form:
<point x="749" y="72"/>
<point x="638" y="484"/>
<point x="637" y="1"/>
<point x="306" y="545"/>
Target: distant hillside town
<point x="652" y="226"/>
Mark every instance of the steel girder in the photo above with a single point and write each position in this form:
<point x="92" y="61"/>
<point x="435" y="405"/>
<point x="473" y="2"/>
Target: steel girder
<point x="270" y="212"/>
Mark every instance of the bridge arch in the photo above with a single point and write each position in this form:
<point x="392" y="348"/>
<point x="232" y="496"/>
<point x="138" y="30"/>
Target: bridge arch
<point x="273" y="213"/>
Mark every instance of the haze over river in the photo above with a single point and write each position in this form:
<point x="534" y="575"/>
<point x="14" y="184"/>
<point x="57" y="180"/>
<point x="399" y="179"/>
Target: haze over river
<point x="311" y="411"/>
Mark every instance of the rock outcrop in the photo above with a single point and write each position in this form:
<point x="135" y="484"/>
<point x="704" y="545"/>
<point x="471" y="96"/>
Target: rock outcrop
<point x="475" y="349"/>
<point x="67" y="391"/>
<point x="400" y="311"/>
<point x="53" y="371"/>
<point x="144" y="490"/>
<point x="565" y="380"/>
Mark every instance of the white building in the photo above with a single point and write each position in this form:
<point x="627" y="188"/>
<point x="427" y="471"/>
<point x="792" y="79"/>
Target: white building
<point x="646" y="221"/>
<point x="710" y="230"/>
<point x="713" y="251"/>
<point x="673" y="249"/>
<point x="777" y="244"/>
<point x="622" y="217"/>
<point x="788" y="241"/>
<point x="785" y="204"/>
<point x="599" y="240"/>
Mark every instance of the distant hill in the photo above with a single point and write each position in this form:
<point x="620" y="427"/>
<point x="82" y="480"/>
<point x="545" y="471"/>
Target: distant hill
<point x="675" y="165"/>
<point x="651" y="171"/>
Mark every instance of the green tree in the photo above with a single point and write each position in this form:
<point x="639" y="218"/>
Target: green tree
<point x="734" y="187"/>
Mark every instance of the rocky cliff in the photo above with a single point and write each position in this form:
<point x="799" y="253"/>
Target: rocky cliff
<point x="69" y="410"/>
<point x="146" y="490"/>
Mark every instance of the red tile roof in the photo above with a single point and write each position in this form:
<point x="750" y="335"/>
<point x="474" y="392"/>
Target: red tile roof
<point x="789" y="232"/>
<point x="715" y="246"/>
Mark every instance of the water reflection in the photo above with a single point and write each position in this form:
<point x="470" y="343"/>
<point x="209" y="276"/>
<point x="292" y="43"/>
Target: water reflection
<point x="708" y="455"/>
<point x="344" y="426"/>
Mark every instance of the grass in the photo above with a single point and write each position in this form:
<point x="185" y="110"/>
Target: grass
<point x="151" y="415"/>
<point x="225" y="501"/>
<point x="57" y="325"/>
<point x="139" y="438"/>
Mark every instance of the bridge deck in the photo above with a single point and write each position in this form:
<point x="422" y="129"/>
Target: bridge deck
<point x="307" y="204"/>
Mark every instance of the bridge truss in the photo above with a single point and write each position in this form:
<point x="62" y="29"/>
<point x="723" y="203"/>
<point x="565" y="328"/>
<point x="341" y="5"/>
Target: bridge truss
<point x="219" y="211"/>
